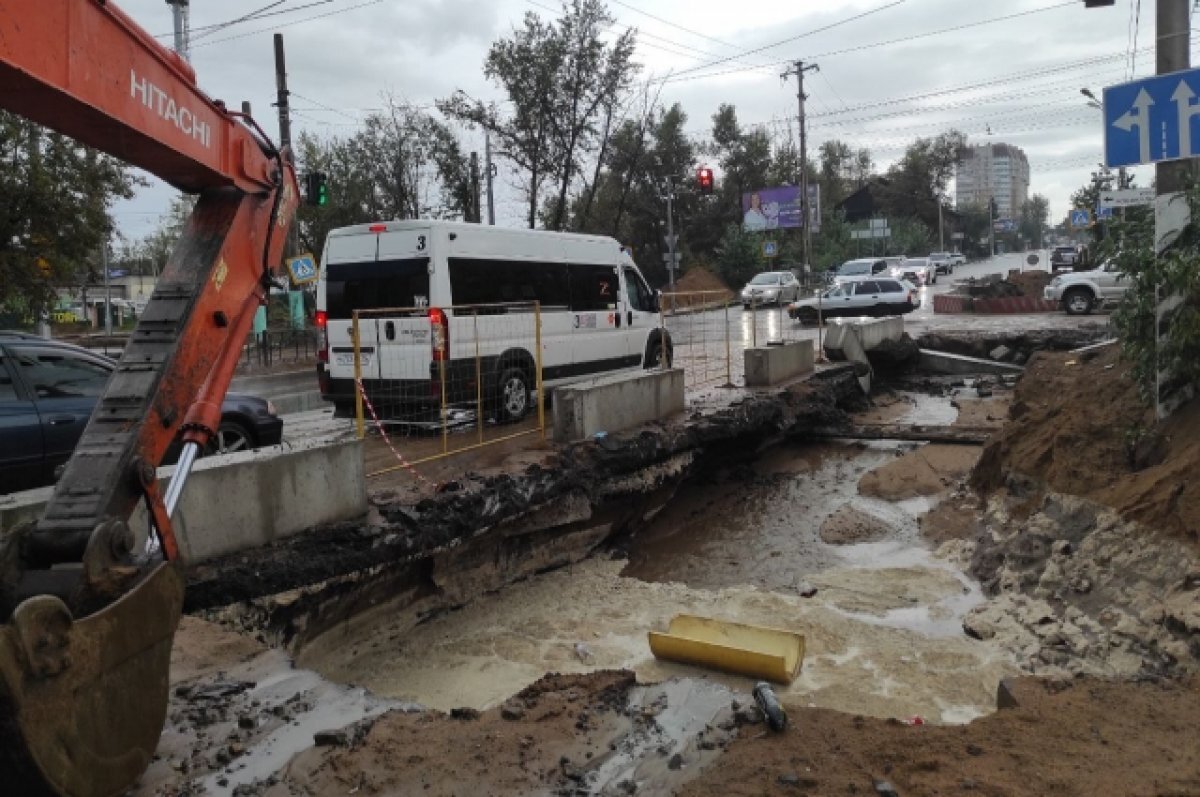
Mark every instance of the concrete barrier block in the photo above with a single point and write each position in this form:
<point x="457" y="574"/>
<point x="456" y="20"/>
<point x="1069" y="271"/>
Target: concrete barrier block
<point x="770" y="365"/>
<point x="237" y="502"/>
<point x="870" y="331"/>
<point x="615" y="403"/>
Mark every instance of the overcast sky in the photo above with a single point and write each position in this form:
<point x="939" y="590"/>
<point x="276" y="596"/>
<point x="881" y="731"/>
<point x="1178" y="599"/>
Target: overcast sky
<point x="890" y="70"/>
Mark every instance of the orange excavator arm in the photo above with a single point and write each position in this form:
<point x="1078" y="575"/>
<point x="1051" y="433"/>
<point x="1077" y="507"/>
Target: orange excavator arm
<point x="84" y="653"/>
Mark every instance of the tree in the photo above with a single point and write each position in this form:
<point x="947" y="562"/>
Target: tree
<point x="739" y="255"/>
<point x="403" y="164"/>
<point x="562" y="80"/>
<point x="1035" y="213"/>
<point x="55" y="201"/>
<point x="918" y="181"/>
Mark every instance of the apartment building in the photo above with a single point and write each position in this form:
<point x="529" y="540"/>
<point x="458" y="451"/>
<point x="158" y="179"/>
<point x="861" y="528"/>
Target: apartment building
<point x="993" y="171"/>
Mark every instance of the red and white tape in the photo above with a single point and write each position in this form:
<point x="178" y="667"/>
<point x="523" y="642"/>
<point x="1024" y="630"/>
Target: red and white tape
<point x="383" y="433"/>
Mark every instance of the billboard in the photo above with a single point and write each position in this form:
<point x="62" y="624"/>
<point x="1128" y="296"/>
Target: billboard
<point x="779" y="208"/>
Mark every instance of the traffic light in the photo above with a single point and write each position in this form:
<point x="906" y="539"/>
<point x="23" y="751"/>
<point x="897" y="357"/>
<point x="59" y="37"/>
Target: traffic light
<point x="704" y="178"/>
<point x="316" y="192"/>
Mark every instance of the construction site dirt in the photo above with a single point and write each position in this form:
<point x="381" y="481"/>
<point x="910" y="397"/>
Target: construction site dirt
<point x="491" y="639"/>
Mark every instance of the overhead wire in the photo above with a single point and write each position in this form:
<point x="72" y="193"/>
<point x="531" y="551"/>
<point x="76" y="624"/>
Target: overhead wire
<point x="331" y="13"/>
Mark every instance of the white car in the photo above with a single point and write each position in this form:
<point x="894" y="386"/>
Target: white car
<point x="1080" y="292"/>
<point x="943" y="262"/>
<point x="771" y="287"/>
<point x="920" y="271"/>
<point x="860" y="269"/>
<point x="958" y="259"/>
<point x="875" y="296"/>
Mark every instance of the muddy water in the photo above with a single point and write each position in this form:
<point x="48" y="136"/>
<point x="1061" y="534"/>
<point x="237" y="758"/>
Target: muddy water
<point x="883" y="631"/>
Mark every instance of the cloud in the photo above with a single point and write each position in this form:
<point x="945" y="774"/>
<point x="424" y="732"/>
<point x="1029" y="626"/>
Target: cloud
<point x="1027" y="70"/>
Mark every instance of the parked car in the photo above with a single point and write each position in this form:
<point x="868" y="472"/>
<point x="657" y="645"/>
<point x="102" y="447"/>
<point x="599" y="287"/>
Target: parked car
<point x="48" y="390"/>
<point x="872" y="297"/>
<point x="943" y="262"/>
<point x="860" y="269"/>
<point x="958" y="259"/>
<point x="1063" y="258"/>
<point x="919" y="271"/>
<point x="1080" y="292"/>
<point x="771" y="287"/>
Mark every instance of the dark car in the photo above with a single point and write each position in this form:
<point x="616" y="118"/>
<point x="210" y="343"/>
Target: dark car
<point x="1064" y="258"/>
<point x="48" y="390"/>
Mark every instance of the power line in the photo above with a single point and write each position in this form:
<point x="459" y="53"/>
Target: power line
<point x="257" y="17"/>
<point x="211" y="29"/>
<point x="673" y="24"/>
<point x="791" y="39"/>
<point x="889" y="42"/>
<point x="334" y="12"/>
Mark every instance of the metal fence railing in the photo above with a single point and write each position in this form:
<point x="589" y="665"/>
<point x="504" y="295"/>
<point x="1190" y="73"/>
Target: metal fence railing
<point x="709" y="331"/>
<point x="434" y="382"/>
<point x="275" y="346"/>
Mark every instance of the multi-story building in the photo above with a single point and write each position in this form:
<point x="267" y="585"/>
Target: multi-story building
<point x="993" y="171"/>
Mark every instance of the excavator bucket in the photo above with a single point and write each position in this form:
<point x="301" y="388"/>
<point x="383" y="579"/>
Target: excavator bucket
<point x="82" y="702"/>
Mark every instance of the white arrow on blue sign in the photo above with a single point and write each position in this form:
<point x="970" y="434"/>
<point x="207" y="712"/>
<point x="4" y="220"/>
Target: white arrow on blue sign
<point x="1103" y="212"/>
<point x="1152" y="120"/>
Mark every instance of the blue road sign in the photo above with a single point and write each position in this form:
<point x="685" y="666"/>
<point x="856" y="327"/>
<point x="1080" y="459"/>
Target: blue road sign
<point x="1152" y="120"/>
<point x="303" y="269"/>
<point x="769" y="249"/>
<point x="1080" y="218"/>
<point x="1103" y="213"/>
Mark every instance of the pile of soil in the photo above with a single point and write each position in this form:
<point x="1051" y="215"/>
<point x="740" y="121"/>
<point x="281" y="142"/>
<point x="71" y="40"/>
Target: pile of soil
<point x="1078" y="426"/>
<point x="1030" y="283"/>
<point x="927" y="471"/>
<point x="1086" y="737"/>
<point x="699" y="278"/>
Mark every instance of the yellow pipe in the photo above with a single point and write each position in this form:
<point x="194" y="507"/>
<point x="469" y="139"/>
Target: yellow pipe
<point x="755" y="651"/>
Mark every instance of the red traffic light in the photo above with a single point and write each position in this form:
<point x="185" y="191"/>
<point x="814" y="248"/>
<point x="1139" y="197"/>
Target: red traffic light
<point x="705" y="179"/>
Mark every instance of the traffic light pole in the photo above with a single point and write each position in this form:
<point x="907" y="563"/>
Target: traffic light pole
<point x="285" y="128"/>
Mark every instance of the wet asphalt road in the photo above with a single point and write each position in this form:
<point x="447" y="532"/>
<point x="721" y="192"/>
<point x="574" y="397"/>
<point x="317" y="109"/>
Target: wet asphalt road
<point x="701" y="340"/>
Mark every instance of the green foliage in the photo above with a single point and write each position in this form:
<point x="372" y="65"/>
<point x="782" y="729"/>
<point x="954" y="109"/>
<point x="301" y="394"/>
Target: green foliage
<point x="55" y="196"/>
<point x="1174" y="274"/>
<point x="563" y="82"/>
<point x="1035" y="214"/>
<point x="739" y="255"/>
<point x="403" y="164"/>
<point x="910" y="237"/>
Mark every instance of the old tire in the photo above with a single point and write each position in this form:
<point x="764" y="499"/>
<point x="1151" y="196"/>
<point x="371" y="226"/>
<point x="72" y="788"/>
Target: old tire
<point x="513" y="395"/>
<point x="1078" y="301"/>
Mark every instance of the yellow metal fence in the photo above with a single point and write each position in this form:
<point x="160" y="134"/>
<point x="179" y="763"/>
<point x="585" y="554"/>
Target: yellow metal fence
<point x="435" y="382"/>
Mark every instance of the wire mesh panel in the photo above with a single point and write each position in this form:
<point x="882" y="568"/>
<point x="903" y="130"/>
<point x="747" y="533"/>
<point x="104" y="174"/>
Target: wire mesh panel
<point x="710" y="330"/>
<point x="431" y="382"/>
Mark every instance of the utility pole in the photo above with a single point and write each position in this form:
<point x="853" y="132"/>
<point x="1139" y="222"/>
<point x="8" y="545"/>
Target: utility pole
<point x="668" y="196"/>
<point x="473" y="214"/>
<point x="798" y="69"/>
<point x="1173" y="47"/>
<point x="490" y="172"/>
<point x="183" y="31"/>
<point x="941" y="230"/>
<point x="107" y="288"/>
<point x="285" y="128"/>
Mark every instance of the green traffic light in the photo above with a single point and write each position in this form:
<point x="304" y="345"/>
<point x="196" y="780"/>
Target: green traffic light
<point x="323" y="194"/>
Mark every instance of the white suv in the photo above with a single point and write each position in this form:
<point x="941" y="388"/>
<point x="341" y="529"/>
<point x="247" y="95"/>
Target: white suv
<point x="1080" y="292"/>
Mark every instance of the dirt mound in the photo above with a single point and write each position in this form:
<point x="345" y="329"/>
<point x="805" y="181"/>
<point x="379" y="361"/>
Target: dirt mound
<point x="1077" y="426"/>
<point x="1030" y="283"/>
<point x="849" y="525"/>
<point x="929" y="470"/>
<point x="699" y="278"/>
<point x="1083" y="738"/>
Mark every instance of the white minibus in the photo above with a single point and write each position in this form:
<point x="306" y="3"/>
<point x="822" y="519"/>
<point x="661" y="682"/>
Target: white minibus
<point x="466" y="285"/>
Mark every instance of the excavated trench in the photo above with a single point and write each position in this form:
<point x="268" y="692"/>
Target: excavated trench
<point x="467" y="602"/>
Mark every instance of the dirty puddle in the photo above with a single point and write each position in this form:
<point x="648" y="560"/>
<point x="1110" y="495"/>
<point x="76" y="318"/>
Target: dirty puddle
<point x="883" y="628"/>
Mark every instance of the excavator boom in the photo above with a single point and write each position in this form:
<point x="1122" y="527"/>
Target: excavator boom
<point x="84" y="653"/>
